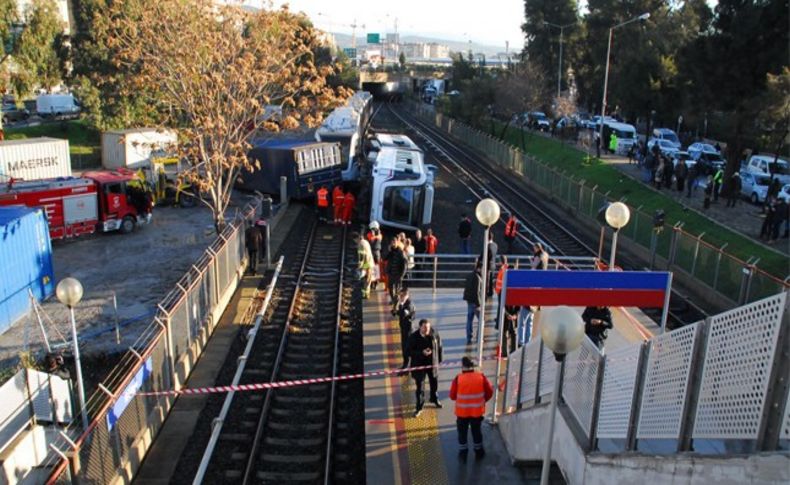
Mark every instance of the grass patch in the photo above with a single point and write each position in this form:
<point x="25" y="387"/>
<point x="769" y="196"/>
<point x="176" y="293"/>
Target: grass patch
<point x="610" y="179"/>
<point x="84" y="141"/>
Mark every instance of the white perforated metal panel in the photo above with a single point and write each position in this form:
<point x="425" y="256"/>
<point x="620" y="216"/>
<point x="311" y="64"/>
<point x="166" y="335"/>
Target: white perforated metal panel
<point x="784" y="433"/>
<point x="619" y="377"/>
<point x="513" y="370"/>
<point x="529" y="379"/>
<point x="581" y="377"/>
<point x="548" y="370"/>
<point x="666" y="382"/>
<point x="738" y="360"/>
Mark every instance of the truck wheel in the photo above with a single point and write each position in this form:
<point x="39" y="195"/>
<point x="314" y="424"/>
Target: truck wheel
<point x="127" y="225"/>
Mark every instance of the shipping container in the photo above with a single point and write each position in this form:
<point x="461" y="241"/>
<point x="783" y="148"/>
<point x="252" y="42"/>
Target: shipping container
<point x="305" y="164"/>
<point x="26" y="262"/>
<point x="34" y="159"/>
<point x="134" y="148"/>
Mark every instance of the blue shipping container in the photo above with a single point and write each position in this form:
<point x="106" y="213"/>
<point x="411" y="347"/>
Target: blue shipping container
<point x="25" y="262"/>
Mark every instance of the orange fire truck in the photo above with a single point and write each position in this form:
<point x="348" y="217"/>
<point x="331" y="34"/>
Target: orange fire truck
<point x="104" y="200"/>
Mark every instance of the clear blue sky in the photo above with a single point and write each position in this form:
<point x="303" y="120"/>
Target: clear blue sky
<point x="492" y="22"/>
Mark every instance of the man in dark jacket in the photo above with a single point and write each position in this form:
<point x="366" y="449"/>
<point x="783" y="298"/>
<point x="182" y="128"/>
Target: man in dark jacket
<point x="404" y="310"/>
<point x="465" y="234"/>
<point x="681" y="174"/>
<point x="597" y="320"/>
<point x="396" y="270"/>
<point x="472" y="288"/>
<point x="252" y="240"/>
<point x="425" y="349"/>
<point x="734" y="188"/>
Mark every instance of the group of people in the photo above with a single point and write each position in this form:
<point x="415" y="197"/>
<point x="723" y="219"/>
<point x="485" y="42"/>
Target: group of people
<point x="422" y="353"/>
<point x="337" y="208"/>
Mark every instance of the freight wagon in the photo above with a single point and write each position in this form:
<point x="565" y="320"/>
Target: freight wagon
<point x="306" y="165"/>
<point x="101" y="200"/>
<point x="26" y="260"/>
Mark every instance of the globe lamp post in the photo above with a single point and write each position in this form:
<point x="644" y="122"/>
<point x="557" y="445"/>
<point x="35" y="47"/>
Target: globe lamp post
<point x="69" y="291"/>
<point x="617" y="216"/>
<point x="562" y="331"/>
<point x="487" y="213"/>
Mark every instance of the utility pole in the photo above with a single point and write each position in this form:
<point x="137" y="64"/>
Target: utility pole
<point x="559" y="69"/>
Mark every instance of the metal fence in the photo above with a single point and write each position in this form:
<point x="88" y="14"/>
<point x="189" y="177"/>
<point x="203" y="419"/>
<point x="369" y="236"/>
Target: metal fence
<point x="160" y="360"/>
<point x="733" y="278"/>
<point x="717" y="386"/>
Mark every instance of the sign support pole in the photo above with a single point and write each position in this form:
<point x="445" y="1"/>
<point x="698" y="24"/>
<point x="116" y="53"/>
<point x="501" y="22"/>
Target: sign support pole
<point x="665" y="311"/>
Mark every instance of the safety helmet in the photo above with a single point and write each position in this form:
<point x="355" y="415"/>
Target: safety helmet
<point x="374" y="225"/>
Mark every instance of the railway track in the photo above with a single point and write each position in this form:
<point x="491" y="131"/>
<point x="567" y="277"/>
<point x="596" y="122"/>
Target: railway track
<point x="484" y="180"/>
<point x="301" y="434"/>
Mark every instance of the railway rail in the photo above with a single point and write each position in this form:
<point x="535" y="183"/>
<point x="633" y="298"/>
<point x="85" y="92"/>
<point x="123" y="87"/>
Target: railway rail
<point x="298" y="434"/>
<point x="484" y="180"/>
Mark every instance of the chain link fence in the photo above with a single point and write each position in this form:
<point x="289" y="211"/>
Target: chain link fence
<point x="123" y="422"/>
<point x="734" y="279"/>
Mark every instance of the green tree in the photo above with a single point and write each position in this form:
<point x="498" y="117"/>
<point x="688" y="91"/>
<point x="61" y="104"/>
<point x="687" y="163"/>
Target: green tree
<point x="541" y="46"/>
<point x="29" y="54"/>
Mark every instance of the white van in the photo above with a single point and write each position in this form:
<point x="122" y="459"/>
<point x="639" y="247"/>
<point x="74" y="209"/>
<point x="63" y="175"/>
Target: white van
<point x="53" y="105"/>
<point x="761" y="164"/>
<point x="626" y="135"/>
<point x="668" y="135"/>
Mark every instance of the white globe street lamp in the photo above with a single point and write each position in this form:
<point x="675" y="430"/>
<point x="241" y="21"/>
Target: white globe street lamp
<point x="617" y="216"/>
<point x="487" y="213"/>
<point x="69" y="291"/>
<point x="562" y="331"/>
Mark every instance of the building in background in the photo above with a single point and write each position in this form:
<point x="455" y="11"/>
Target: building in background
<point x="64" y="10"/>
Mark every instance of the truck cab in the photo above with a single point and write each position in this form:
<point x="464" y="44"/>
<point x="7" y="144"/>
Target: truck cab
<point x="123" y="202"/>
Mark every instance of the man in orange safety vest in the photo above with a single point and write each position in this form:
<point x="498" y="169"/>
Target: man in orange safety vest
<point x="470" y="390"/>
<point x="322" y="203"/>
<point x="511" y="230"/>
<point x="337" y="202"/>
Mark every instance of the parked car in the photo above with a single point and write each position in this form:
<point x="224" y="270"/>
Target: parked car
<point x="784" y="193"/>
<point x="666" y="147"/>
<point x="667" y="135"/>
<point x="764" y="165"/>
<point x="681" y="155"/>
<point x="754" y="186"/>
<point x="539" y="121"/>
<point x="699" y="146"/>
<point x="12" y="114"/>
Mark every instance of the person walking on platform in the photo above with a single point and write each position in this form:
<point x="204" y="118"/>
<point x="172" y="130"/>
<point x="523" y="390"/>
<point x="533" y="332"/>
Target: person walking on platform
<point x="511" y="322"/>
<point x="734" y="189"/>
<point x="374" y="238"/>
<point x="511" y="231"/>
<point x="337" y="203"/>
<point x="597" y="320"/>
<point x="540" y="258"/>
<point x="470" y="390"/>
<point x="349" y="201"/>
<point x="418" y="242"/>
<point x="431" y="242"/>
<point x="465" y="234"/>
<point x="425" y="349"/>
<point x="252" y="240"/>
<point x="500" y="279"/>
<point x="396" y="270"/>
<point x="366" y="263"/>
<point x="472" y="288"/>
<point x="322" y="203"/>
<point x="404" y="310"/>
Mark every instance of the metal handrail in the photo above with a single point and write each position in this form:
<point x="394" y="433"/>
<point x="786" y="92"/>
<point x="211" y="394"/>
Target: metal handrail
<point x="220" y="420"/>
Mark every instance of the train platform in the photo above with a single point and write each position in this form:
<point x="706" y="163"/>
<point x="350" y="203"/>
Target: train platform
<point x="401" y="449"/>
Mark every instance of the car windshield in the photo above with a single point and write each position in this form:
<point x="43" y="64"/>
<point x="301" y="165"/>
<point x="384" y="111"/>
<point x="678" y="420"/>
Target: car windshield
<point x="671" y="137"/>
<point x="667" y="143"/>
<point x="539" y="116"/>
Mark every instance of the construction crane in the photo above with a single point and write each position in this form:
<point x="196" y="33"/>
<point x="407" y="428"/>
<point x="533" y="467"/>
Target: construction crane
<point x="353" y="26"/>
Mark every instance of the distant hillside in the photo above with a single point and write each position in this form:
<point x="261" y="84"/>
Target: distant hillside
<point x="344" y="40"/>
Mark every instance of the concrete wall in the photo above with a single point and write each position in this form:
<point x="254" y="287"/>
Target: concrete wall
<point x="525" y="434"/>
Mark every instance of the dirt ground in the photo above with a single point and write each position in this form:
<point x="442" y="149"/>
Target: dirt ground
<point x="140" y="268"/>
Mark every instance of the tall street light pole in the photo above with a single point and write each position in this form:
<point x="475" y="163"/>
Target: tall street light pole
<point x="69" y="292"/>
<point x="642" y="17"/>
<point x="617" y="216"/>
<point x="559" y="69"/>
<point x="487" y="212"/>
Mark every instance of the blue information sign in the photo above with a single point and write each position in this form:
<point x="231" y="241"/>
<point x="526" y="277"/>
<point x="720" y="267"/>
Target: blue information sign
<point x="129" y="392"/>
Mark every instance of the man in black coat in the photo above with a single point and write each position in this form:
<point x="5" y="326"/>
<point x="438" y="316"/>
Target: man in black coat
<point x="396" y="270"/>
<point x="597" y="320"/>
<point x="473" y="286"/>
<point x="465" y="234"/>
<point x="252" y="240"/>
<point x="425" y="349"/>
<point x="404" y="310"/>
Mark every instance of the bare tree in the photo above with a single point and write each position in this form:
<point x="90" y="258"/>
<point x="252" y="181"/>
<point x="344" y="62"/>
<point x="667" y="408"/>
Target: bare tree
<point x="518" y="91"/>
<point x="213" y="70"/>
